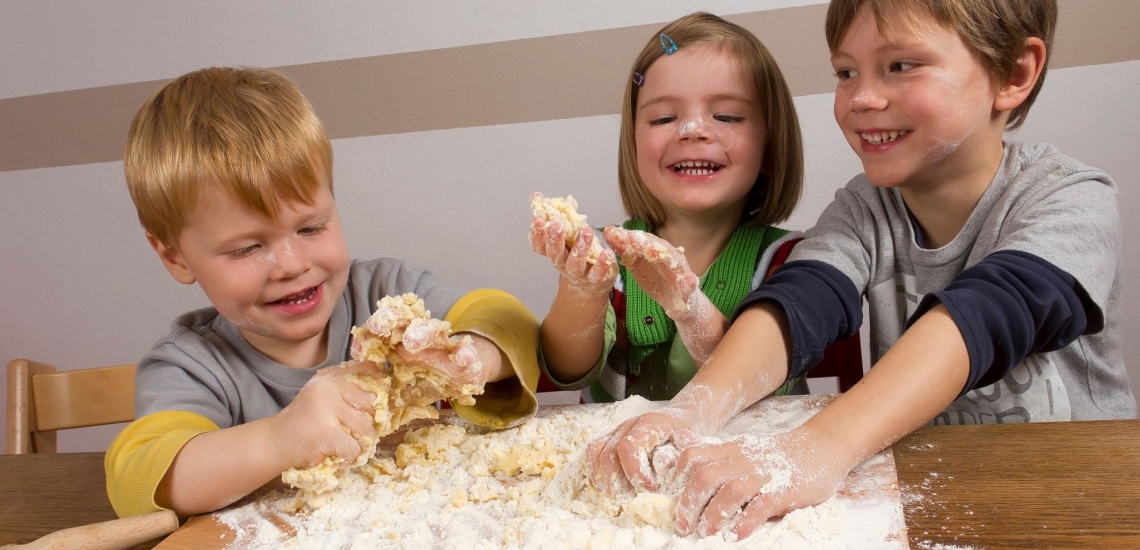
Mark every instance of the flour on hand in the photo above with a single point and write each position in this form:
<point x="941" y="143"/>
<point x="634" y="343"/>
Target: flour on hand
<point x="407" y="393"/>
<point x="565" y="212"/>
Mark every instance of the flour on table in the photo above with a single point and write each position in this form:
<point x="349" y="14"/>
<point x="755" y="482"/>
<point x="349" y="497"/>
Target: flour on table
<point x="406" y="394"/>
<point x="457" y="486"/>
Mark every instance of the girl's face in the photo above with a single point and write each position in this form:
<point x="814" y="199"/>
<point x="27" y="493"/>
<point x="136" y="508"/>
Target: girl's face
<point x="700" y="133"/>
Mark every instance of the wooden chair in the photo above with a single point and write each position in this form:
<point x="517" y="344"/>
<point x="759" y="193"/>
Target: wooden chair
<point x="42" y="399"/>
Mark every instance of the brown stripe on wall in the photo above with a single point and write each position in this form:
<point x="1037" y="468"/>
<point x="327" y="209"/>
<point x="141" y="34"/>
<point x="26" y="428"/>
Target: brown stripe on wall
<point x="546" y="78"/>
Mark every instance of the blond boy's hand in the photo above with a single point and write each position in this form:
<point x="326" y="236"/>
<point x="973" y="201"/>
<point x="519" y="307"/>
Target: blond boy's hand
<point x="470" y="362"/>
<point x="586" y="278"/>
<point x="737" y="485"/>
<point x="324" y="418"/>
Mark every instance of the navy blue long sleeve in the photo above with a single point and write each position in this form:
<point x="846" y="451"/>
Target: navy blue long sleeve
<point x="821" y="305"/>
<point x="1011" y="305"/>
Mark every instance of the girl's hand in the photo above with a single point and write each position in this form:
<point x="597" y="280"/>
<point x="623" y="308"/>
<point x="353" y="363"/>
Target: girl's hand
<point x="660" y="269"/>
<point x="621" y="460"/>
<point x="326" y="417"/>
<point x="737" y="485"/>
<point x="547" y="239"/>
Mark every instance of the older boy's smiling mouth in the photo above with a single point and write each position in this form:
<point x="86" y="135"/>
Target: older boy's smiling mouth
<point x="883" y="136"/>
<point x="696" y="167"/>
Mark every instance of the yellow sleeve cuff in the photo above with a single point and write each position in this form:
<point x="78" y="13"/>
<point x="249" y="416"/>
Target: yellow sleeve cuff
<point x="141" y="454"/>
<point x="505" y="321"/>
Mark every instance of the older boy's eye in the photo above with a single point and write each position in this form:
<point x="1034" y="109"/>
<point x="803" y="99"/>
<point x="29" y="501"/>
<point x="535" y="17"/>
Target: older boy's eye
<point x="844" y="74"/>
<point x="313" y="229"/>
<point x="242" y="252"/>
<point x="900" y="66"/>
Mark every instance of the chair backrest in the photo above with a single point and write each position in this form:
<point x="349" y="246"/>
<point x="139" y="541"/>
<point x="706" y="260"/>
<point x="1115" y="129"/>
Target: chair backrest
<point x="43" y="399"/>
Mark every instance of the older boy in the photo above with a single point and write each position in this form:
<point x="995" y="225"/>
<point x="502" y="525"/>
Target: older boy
<point x="231" y="173"/>
<point x="991" y="271"/>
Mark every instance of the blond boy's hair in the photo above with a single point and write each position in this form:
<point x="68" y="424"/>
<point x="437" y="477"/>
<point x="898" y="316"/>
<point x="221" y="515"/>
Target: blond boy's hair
<point x="777" y="190"/>
<point x="995" y="29"/>
<point x="246" y="133"/>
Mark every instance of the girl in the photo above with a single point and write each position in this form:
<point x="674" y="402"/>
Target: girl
<point x="709" y="156"/>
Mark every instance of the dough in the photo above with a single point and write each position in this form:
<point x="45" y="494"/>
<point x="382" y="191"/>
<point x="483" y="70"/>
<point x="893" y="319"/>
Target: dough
<point x="408" y="392"/>
<point x="564" y="210"/>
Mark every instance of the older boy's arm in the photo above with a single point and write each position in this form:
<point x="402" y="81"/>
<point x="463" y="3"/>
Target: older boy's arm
<point x="918" y="378"/>
<point x="507" y="338"/>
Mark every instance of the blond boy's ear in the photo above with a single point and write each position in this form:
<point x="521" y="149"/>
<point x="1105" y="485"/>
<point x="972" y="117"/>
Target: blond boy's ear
<point x="1029" y="67"/>
<point x="172" y="259"/>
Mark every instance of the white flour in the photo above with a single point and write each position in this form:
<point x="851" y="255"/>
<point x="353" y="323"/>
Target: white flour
<point x="459" y="487"/>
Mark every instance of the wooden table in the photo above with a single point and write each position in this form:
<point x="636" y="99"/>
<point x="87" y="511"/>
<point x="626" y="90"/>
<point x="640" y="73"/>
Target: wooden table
<point x="1055" y="485"/>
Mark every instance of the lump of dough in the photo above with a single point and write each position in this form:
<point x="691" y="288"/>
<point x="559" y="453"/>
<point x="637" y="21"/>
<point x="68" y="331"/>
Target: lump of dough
<point x="407" y="393"/>
<point x="564" y="210"/>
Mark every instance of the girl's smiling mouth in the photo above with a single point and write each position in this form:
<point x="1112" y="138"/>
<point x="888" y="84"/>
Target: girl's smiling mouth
<point x="696" y="167"/>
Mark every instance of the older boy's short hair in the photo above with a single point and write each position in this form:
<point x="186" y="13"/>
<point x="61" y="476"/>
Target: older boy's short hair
<point x="777" y="190"/>
<point x="248" y="133"/>
<point x="995" y="29"/>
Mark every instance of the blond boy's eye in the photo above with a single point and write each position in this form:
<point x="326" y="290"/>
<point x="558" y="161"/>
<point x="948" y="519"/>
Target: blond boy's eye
<point x="242" y="252"/>
<point x="661" y="120"/>
<point x="728" y="118"/>
<point x="312" y="229"/>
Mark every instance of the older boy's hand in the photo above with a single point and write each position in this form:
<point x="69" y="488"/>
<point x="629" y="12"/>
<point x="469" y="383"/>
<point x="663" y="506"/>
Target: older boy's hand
<point x="622" y="459"/>
<point x="326" y="417"/>
<point x="660" y="270"/>
<point x="737" y="485"/>
<point x="547" y="239"/>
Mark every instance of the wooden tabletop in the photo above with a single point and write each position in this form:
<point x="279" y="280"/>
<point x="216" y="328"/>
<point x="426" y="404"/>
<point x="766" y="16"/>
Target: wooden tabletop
<point x="1049" y="485"/>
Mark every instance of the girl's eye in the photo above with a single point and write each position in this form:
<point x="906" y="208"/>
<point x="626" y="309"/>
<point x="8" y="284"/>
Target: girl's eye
<point x="661" y="120"/>
<point x="728" y="118"/>
<point x="844" y="74"/>
<point x="901" y="66"/>
<point x="242" y="252"/>
<point x="313" y="230"/>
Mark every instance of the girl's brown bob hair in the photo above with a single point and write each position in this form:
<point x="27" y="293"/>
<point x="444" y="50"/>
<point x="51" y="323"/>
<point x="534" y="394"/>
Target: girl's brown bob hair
<point x="777" y="189"/>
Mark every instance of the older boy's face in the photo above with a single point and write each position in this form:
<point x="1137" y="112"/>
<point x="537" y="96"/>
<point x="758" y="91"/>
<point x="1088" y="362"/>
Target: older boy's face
<point x="917" y="107"/>
<point x="277" y="281"/>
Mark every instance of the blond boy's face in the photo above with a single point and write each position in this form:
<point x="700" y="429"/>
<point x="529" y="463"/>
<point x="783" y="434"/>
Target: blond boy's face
<point x="700" y="133"/>
<point x="277" y="281"/>
<point x="916" y="105"/>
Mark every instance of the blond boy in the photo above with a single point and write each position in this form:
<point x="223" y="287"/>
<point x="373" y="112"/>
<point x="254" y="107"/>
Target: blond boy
<point x="990" y="270"/>
<point x="231" y="173"/>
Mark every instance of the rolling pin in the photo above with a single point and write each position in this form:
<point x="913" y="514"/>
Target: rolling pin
<point x="116" y="534"/>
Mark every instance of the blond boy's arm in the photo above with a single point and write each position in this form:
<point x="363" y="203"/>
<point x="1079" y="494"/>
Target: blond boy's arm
<point x="504" y="321"/>
<point x="181" y="461"/>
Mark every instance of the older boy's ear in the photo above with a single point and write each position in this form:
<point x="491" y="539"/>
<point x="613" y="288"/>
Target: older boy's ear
<point x="1025" y="75"/>
<point x="172" y="259"/>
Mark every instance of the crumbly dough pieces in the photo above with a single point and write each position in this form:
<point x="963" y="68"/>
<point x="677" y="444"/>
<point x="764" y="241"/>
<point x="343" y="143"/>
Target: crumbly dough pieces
<point x="409" y="392"/>
<point x="564" y="210"/>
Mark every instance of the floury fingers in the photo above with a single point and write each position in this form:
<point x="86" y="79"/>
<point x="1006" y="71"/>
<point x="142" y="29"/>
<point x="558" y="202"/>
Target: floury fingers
<point x="565" y="212"/>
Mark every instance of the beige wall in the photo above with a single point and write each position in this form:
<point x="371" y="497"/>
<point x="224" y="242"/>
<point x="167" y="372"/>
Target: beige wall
<point x="445" y="117"/>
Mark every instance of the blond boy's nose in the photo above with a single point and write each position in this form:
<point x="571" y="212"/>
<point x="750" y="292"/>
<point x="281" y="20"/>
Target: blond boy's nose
<point x="289" y="262"/>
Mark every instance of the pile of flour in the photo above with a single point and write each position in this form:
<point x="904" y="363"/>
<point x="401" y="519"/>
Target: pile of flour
<point x="456" y="486"/>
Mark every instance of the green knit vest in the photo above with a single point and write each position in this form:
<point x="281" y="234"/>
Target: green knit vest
<point x="727" y="282"/>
